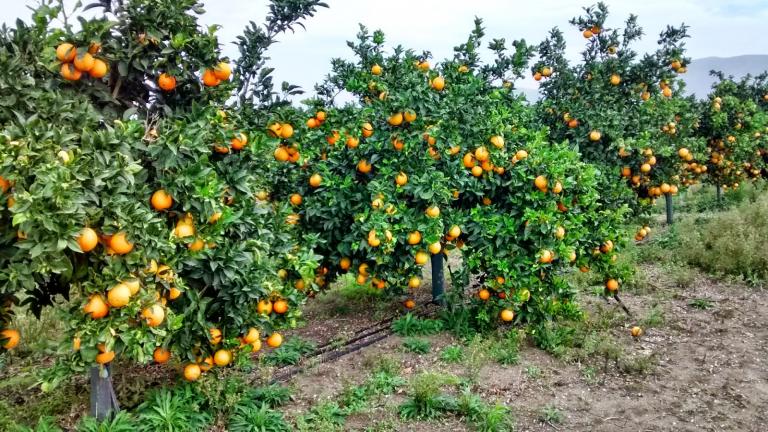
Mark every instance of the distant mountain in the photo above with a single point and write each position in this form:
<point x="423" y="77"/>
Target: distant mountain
<point x="697" y="79"/>
<point x="699" y="82"/>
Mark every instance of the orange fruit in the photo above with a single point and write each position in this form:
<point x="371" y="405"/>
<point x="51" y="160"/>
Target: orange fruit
<point x="345" y="263"/>
<point x="264" y="307"/>
<point x="315" y="180"/>
<point x="96" y="307"/>
<point x="222" y="71"/>
<point x="401" y="179"/>
<point x="546" y="257"/>
<point x="197" y="245"/>
<point x="414" y="282"/>
<point x="166" y="82"/>
<point x="367" y="130"/>
<point x="239" y="141"/>
<point x="560" y="233"/>
<point x="507" y="315"/>
<point x="312" y="123"/>
<point x="174" y="293"/>
<point x="281" y="154"/>
<point x="421" y="258"/>
<point x="251" y="336"/>
<point x="521" y="155"/>
<point x="84" y="62"/>
<point x="612" y="285"/>
<point x="352" y="142"/>
<point x="435" y="248"/>
<point x="11" y="338"/>
<point x="636" y="331"/>
<point x="615" y="79"/>
<point x="587" y="34"/>
<point x="88" y="239"/>
<point x="154" y="315"/>
<point x="414" y="238"/>
<point x="286" y="131"/>
<point x="409" y="116"/>
<point x="119" y="295"/>
<point x="438" y="83"/>
<point x="192" y="372"/>
<point x="376" y="69"/>
<point x="395" y="119"/>
<point x="409" y="304"/>
<point x="484" y="294"/>
<point x="209" y="78"/>
<point x="215" y="335"/>
<point x="161" y="355"/>
<point x="645" y="168"/>
<point x="161" y="200"/>
<point x="595" y="135"/>
<point x="667" y="92"/>
<point x="281" y="306"/>
<point x="76" y="344"/>
<point x="99" y="69"/>
<point x="537" y="76"/>
<point x="222" y="357"/>
<point x="433" y="212"/>
<point x="120" y="244"/>
<point x="497" y="141"/>
<point x="295" y="199"/>
<point x="70" y="73"/>
<point x="364" y="167"/>
<point x="469" y="160"/>
<point x="275" y="340"/>
<point x="184" y="229"/>
<point x="66" y="52"/>
<point x="455" y="231"/>
<point x="320" y="116"/>
<point x="541" y="183"/>
<point x="477" y="171"/>
<point x="481" y="154"/>
<point x="105" y="357"/>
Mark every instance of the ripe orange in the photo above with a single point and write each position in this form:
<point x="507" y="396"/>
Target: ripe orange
<point x="281" y="154"/>
<point x="11" y="338"/>
<point x="612" y="285"/>
<point x="507" y="315"/>
<point x="166" y="82"/>
<point x="88" y="239"/>
<point x="683" y="152"/>
<point x="154" y="315"/>
<point x="264" y="307"/>
<point x="281" y="306"/>
<point x="313" y="123"/>
<point x="645" y="168"/>
<point x="546" y="257"/>
<point x="76" y="344"/>
<point x="320" y="116"/>
<point x="484" y="294"/>
<point x="184" y="229"/>
<point x="521" y="155"/>
<point x="469" y="160"/>
<point x="636" y="331"/>
<point x="395" y="119"/>
<point x="455" y="231"/>
<point x="414" y="282"/>
<point x="215" y="336"/>
<point x="667" y="92"/>
<point x="286" y="131"/>
<point x="481" y="154"/>
<point x="409" y="116"/>
<point x="70" y="73"/>
<point x="435" y="248"/>
<point x="409" y="304"/>
<point x="296" y="199"/>
<point x="364" y="167"/>
<point x="251" y="336"/>
<point x="315" y="180"/>
<point x="66" y="52"/>
<point x="421" y="258"/>
<point x="161" y="355"/>
<point x="105" y="357"/>
<point x="120" y="244"/>
<point x="477" y="171"/>
<point x="587" y="34"/>
<point x="119" y="295"/>
<point x="222" y="71"/>
<point x="414" y="238"/>
<point x="174" y="293"/>
<point x="595" y="135"/>
<point x="345" y="263"/>
<point x="537" y="76"/>
<point x="665" y="188"/>
<point x="376" y="69"/>
<point x="96" y="307"/>
<point x="433" y="212"/>
<point x="438" y="83"/>
<point x="209" y="78"/>
<point x="401" y="179"/>
<point x="161" y="200"/>
<point x="84" y="62"/>
<point x="222" y="357"/>
<point x="239" y="141"/>
<point x="497" y="141"/>
<point x="333" y="138"/>
<point x="192" y="372"/>
<point x="133" y="285"/>
<point x="99" y="69"/>
<point x="541" y="183"/>
<point x="557" y="188"/>
<point x="275" y="340"/>
<point x="559" y="233"/>
<point x="615" y="79"/>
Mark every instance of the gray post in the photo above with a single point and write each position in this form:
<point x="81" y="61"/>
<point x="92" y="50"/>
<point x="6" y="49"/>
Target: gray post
<point x="668" y="201"/>
<point x="438" y="279"/>
<point x="719" y="193"/>
<point x="103" y="399"/>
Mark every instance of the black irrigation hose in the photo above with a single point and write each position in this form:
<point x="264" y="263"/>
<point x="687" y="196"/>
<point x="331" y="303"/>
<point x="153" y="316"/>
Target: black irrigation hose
<point x="328" y="351"/>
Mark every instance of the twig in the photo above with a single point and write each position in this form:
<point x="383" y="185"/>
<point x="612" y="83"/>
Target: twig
<point x="623" y="306"/>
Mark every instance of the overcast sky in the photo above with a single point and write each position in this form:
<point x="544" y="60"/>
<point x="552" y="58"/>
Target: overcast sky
<point x="720" y="28"/>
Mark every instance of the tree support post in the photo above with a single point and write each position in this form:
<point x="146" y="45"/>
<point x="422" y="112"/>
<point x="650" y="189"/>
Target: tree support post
<point x="103" y="399"/>
<point x="438" y="279"/>
<point x="668" y="202"/>
<point x="718" y="193"/>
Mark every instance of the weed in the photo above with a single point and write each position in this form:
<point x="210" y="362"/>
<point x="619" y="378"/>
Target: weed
<point x="639" y="365"/>
<point x="44" y="424"/>
<point x="655" y="318"/>
<point x="550" y="414"/>
<point x="324" y="417"/>
<point x="410" y="325"/>
<point x="452" y="354"/>
<point x="532" y="372"/>
<point x="249" y="418"/>
<point x="426" y="401"/>
<point x="506" y="349"/>
<point x="701" y="303"/>
<point x="590" y="374"/>
<point x="383" y="383"/>
<point x="167" y="410"/>
<point x="418" y="346"/>
<point x="553" y="338"/>
<point x="273" y="396"/>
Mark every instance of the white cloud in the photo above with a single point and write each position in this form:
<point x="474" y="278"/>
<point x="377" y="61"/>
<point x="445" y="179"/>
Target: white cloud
<point x="717" y="28"/>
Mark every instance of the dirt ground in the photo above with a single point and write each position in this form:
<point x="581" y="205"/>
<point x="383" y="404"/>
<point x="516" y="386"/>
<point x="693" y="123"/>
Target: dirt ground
<point x="708" y="368"/>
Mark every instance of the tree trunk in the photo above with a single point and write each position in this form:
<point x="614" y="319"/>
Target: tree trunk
<point x="438" y="279"/>
<point x="668" y="201"/>
<point x="103" y="400"/>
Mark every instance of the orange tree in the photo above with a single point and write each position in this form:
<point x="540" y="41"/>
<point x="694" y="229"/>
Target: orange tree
<point x="151" y="233"/>
<point x="733" y="123"/>
<point x="433" y="158"/>
<point x="622" y="111"/>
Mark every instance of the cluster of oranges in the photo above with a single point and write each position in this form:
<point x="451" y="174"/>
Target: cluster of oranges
<point x="590" y="32"/>
<point x="284" y="152"/>
<point x="78" y="61"/>
<point x="642" y="233"/>
<point x="543" y="72"/>
<point x="211" y="77"/>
